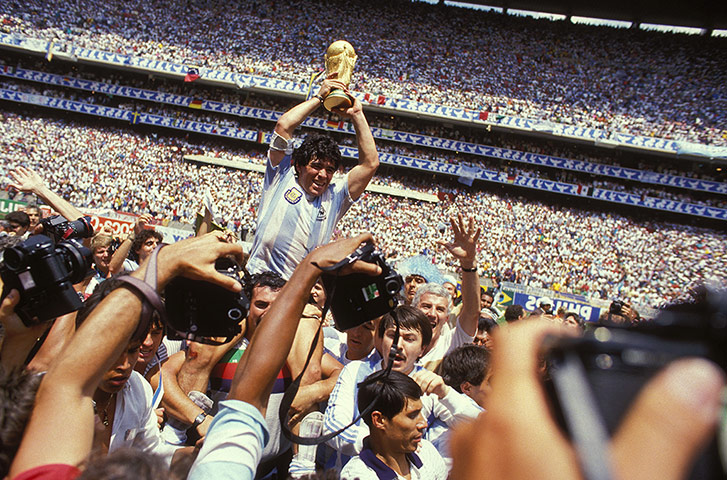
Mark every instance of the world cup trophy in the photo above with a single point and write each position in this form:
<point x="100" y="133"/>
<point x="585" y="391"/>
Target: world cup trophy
<point x="340" y="58"/>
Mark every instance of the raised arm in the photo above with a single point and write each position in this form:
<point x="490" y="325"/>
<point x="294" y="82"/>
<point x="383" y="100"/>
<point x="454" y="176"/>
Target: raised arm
<point x="292" y="119"/>
<point x="264" y="358"/>
<point x="464" y="248"/>
<point x="116" y="264"/>
<point x="368" y="158"/>
<point x="26" y="180"/>
<point x="53" y="438"/>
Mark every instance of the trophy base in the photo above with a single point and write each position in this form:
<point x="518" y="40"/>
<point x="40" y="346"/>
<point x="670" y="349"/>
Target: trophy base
<point x="337" y="99"/>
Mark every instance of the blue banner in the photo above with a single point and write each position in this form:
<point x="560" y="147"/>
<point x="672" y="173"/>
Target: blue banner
<point x="529" y="302"/>
<point x="250" y="81"/>
<point x="350" y="152"/>
<point x="380" y="133"/>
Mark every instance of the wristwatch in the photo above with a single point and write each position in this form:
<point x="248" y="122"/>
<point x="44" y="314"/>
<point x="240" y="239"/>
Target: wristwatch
<point x="197" y="421"/>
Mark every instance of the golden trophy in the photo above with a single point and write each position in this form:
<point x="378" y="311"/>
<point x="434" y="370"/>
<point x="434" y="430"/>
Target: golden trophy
<point x="340" y="58"/>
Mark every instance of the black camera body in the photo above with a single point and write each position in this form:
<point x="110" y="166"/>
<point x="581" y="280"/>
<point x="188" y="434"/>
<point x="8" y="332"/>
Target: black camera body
<point x="58" y="228"/>
<point x="604" y="371"/>
<point x="44" y="273"/>
<point x="200" y="311"/>
<point x="358" y="298"/>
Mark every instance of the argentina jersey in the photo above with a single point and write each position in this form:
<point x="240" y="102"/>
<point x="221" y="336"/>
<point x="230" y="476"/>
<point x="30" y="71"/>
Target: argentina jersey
<point x="291" y="223"/>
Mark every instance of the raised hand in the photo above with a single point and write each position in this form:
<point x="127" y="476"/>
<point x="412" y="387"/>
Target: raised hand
<point x="26" y="180"/>
<point x="464" y="245"/>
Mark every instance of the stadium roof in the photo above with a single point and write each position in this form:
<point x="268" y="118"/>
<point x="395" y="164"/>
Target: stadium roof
<point x="707" y="14"/>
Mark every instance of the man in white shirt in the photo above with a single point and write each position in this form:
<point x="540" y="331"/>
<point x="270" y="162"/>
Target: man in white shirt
<point x="395" y="447"/>
<point x="300" y="205"/>
<point x="436" y="302"/>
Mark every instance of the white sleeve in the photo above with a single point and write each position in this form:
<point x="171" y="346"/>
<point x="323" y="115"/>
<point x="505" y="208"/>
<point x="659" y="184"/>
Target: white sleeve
<point x="341" y="411"/>
<point x="459" y="337"/>
<point x="454" y="407"/>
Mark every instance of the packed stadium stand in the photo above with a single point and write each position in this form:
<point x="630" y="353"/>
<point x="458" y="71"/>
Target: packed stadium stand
<point x="618" y="187"/>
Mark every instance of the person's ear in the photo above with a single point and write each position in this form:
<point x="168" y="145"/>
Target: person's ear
<point x="465" y="387"/>
<point x="378" y="420"/>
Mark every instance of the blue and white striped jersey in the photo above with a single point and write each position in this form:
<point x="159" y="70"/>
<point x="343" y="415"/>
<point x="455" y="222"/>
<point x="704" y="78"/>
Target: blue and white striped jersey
<point x="291" y="223"/>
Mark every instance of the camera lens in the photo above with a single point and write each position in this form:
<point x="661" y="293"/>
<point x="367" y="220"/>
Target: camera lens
<point x="234" y="314"/>
<point x="13" y="258"/>
<point x="392" y="286"/>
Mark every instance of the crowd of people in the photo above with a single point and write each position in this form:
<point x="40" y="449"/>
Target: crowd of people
<point x="661" y="164"/>
<point x="629" y="81"/>
<point x="127" y="358"/>
<point x="501" y="165"/>
<point x="601" y="255"/>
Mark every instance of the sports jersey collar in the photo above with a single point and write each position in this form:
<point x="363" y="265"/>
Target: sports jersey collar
<point x="382" y="470"/>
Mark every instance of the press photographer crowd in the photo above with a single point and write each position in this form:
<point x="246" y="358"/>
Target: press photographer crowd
<point x="313" y="326"/>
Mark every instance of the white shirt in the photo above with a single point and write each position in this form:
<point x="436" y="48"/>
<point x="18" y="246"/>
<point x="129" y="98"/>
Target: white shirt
<point x="135" y="422"/>
<point x="291" y="223"/>
<point x="425" y="464"/>
<point x="343" y="409"/>
<point x="449" y="339"/>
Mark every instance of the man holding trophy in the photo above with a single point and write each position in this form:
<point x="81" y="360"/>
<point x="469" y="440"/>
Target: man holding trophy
<point x="300" y="206"/>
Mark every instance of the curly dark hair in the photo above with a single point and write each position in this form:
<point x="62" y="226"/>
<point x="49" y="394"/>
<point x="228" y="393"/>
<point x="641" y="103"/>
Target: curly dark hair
<point x="319" y="146"/>
<point x="264" y="279"/>
<point x="142" y="237"/>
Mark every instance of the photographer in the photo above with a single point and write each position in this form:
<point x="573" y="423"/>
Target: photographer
<point x="55" y="445"/>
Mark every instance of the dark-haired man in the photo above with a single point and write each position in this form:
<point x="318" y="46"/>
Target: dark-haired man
<point x="395" y="447"/>
<point x="300" y="206"/>
<point x="442" y="405"/>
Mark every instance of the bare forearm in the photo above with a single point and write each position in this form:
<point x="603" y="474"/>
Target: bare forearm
<point x="176" y="402"/>
<point x="263" y="360"/>
<point x="117" y="260"/>
<point x="294" y="117"/>
<point x="58" y="203"/>
<point x="367" y="154"/>
<point x="470" y="313"/>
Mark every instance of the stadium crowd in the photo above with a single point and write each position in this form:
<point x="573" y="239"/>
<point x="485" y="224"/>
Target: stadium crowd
<point x="617" y="80"/>
<point x="600" y="255"/>
<point x="501" y="165"/>
<point x="126" y="358"/>
<point x="707" y="171"/>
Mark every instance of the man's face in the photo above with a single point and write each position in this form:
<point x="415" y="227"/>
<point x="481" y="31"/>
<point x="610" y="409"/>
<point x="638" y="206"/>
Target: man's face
<point x="571" y="321"/>
<point x="102" y="257"/>
<point x="484" y="339"/>
<point x="405" y="430"/>
<point x="479" y="393"/>
<point x="315" y="177"/>
<point x="318" y="294"/>
<point x="14" y="228"/>
<point x="486" y="301"/>
<point x="149" y="347"/>
<point x="34" y="216"/>
<point x="116" y="377"/>
<point x="410" y="349"/>
<point x="436" y="309"/>
<point x="360" y="340"/>
<point x="546" y="307"/>
<point x="411" y="283"/>
<point x="262" y="298"/>
<point x="147" y="248"/>
<point x="451" y="289"/>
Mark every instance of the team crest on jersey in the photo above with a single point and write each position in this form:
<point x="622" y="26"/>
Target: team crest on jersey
<point x="322" y="215"/>
<point x="293" y="196"/>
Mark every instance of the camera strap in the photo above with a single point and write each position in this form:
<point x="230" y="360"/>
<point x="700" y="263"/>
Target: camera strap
<point x="586" y="425"/>
<point x="150" y="300"/>
<point x="292" y="389"/>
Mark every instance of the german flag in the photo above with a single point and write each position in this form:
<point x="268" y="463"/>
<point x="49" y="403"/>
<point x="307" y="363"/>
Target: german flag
<point x="330" y="123"/>
<point x="195" y="103"/>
